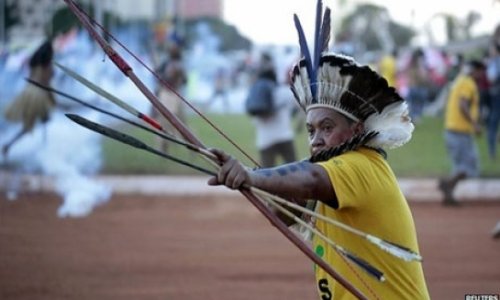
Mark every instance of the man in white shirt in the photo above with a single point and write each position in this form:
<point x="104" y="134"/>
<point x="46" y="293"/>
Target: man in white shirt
<point x="274" y="133"/>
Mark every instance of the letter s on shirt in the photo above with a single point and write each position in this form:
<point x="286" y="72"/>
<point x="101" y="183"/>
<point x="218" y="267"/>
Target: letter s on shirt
<point x="324" y="290"/>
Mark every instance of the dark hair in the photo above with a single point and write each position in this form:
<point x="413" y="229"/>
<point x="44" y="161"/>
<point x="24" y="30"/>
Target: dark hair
<point x="268" y="74"/>
<point x="477" y="64"/>
<point x="43" y="55"/>
<point x="266" y="57"/>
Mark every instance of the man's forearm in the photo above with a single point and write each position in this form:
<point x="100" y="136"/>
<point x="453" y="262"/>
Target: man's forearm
<point x="299" y="180"/>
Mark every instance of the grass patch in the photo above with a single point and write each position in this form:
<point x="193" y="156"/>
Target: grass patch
<point x="425" y="155"/>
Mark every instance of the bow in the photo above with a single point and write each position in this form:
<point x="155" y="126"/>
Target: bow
<point x="190" y="137"/>
<point x="396" y="250"/>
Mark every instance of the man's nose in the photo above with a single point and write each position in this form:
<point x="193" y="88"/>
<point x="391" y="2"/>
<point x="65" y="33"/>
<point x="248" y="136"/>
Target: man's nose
<point x="317" y="139"/>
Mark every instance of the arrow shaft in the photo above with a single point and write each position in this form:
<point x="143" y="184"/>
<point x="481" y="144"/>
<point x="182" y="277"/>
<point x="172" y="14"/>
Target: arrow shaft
<point x="116" y="116"/>
<point x="132" y="141"/>
<point x="110" y="97"/>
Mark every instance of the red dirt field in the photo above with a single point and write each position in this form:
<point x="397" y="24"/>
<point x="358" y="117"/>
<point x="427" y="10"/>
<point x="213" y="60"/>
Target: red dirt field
<point x="137" y="247"/>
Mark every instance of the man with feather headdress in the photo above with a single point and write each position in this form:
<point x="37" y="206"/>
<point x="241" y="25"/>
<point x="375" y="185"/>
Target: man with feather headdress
<point x="352" y="115"/>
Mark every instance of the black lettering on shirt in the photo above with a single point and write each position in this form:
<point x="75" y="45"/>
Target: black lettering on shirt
<point x="325" y="292"/>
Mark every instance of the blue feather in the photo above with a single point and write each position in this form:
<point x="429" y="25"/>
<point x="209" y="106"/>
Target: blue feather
<point x="317" y="51"/>
<point x="317" y="36"/>
<point x="321" y="39"/>
<point x="304" y="49"/>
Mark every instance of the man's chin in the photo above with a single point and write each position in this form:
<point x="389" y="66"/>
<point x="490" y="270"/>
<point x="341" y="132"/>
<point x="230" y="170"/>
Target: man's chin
<point x="316" y="151"/>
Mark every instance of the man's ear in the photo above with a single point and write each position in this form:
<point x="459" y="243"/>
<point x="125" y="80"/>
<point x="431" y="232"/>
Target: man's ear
<point x="358" y="127"/>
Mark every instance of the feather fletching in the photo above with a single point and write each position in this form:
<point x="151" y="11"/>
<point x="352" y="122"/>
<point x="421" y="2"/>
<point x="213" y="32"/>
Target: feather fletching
<point x="394" y="249"/>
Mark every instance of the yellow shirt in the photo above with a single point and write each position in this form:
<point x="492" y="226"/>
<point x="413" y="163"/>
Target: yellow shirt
<point x="463" y="87"/>
<point x="370" y="200"/>
<point x="387" y="68"/>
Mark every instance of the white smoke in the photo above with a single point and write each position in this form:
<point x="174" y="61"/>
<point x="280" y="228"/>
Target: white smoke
<point x="61" y="150"/>
<point x="72" y="154"/>
<point x="66" y="153"/>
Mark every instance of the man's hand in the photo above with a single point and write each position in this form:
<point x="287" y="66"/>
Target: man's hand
<point x="232" y="173"/>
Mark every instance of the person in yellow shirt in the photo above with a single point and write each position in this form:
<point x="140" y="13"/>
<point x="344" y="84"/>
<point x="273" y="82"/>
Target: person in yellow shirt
<point x="352" y="114"/>
<point x="387" y="68"/>
<point x="349" y="176"/>
<point x="461" y="123"/>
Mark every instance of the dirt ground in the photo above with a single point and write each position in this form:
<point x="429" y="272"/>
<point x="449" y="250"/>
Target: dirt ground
<point x="197" y="248"/>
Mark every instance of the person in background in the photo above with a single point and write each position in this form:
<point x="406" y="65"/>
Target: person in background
<point x="493" y="74"/>
<point x="417" y="84"/>
<point x="483" y="85"/>
<point x="456" y="64"/>
<point x="173" y="73"/>
<point x="220" y="83"/>
<point x="388" y="68"/>
<point x="274" y="133"/>
<point x="461" y="123"/>
<point x="33" y="104"/>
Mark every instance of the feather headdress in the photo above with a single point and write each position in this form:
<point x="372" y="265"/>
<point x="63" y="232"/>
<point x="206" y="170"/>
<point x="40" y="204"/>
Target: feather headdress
<point x="338" y="82"/>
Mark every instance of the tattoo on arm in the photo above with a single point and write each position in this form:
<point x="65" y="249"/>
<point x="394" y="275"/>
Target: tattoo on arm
<point x="265" y="172"/>
<point x="285" y="169"/>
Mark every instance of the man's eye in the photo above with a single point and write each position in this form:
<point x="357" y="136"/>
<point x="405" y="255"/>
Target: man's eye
<point x="310" y="132"/>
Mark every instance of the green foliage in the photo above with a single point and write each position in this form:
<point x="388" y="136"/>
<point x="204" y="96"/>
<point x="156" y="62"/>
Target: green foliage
<point x="424" y="155"/>
<point x="229" y="36"/>
<point x="11" y="14"/>
<point x="371" y="15"/>
<point x="63" y="19"/>
<point x="402" y="34"/>
<point x="122" y="159"/>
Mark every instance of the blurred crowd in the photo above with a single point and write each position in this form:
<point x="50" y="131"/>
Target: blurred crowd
<point x="223" y="82"/>
<point x="425" y="77"/>
<point x="465" y="89"/>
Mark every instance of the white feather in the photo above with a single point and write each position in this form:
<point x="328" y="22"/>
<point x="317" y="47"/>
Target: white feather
<point x="393" y="125"/>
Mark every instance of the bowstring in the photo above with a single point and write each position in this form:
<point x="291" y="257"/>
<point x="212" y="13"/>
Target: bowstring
<point x="164" y="83"/>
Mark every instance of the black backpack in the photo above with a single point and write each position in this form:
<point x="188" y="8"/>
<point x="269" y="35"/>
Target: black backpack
<point x="260" y="102"/>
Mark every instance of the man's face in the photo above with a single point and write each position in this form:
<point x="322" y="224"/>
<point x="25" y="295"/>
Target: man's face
<point x="328" y="128"/>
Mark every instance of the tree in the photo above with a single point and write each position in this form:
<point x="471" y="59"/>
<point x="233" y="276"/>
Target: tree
<point x="455" y="29"/>
<point x="63" y="19"/>
<point x="11" y="14"/>
<point x="371" y="28"/>
<point x="230" y="38"/>
<point x="470" y="21"/>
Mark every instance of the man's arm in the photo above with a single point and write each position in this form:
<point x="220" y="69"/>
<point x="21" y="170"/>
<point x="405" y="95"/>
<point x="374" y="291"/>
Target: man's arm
<point x="299" y="180"/>
<point x="465" y="110"/>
